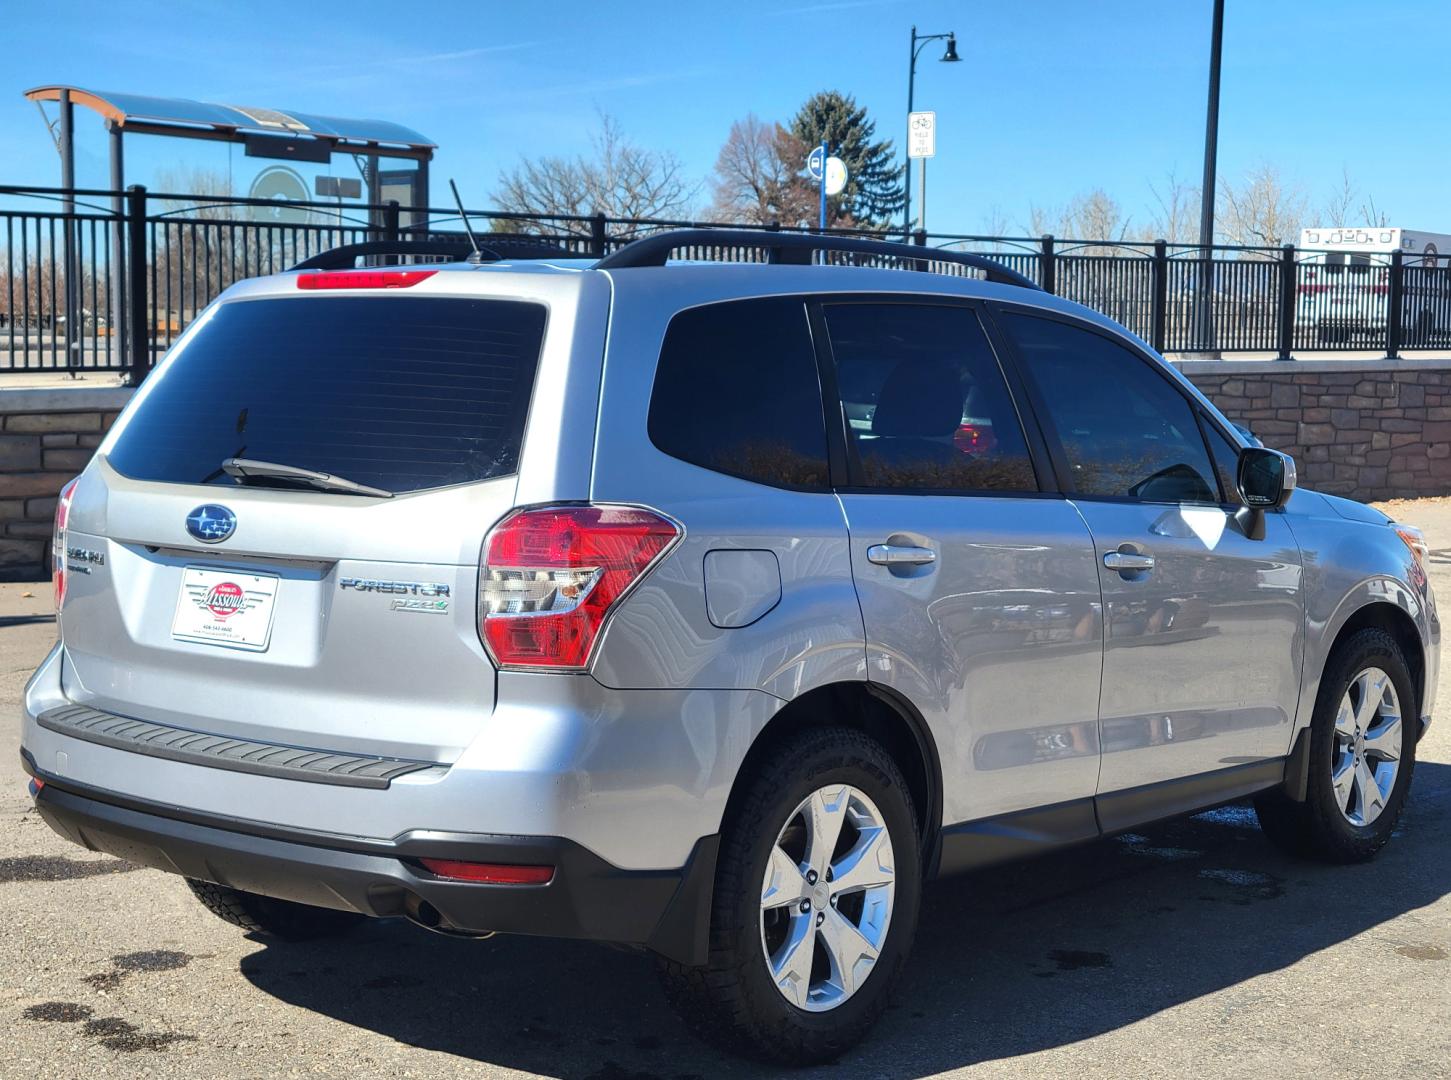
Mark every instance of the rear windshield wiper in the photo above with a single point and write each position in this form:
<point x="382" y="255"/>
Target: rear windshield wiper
<point x="244" y="469"/>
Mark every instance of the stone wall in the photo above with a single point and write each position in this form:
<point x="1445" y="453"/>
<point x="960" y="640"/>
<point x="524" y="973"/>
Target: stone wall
<point x="1368" y="429"/>
<point x="46" y="437"/>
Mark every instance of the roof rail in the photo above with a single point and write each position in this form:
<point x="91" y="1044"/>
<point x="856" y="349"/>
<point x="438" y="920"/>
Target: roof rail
<point x="655" y="250"/>
<point x="342" y="258"/>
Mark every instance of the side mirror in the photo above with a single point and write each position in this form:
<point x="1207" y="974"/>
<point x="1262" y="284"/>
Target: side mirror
<point x="1266" y="478"/>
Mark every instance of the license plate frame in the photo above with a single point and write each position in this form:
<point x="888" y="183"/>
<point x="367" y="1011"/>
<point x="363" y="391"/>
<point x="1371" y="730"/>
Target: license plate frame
<point x="229" y="609"/>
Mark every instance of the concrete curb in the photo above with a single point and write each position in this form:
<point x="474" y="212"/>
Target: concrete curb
<point x="53" y="399"/>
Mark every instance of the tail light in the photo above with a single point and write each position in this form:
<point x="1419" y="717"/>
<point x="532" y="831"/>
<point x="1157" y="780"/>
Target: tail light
<point x="550" y="576"/>
<point x="58" y="542"/>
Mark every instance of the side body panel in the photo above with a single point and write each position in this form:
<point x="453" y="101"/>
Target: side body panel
<point x="1350" y="564"/>
<point x="662" y="634"/>
<point x="998" y="642"/>
<point x="1201" y="667"/>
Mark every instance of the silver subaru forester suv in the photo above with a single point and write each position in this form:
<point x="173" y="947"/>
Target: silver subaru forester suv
<point x="708" y="609"/>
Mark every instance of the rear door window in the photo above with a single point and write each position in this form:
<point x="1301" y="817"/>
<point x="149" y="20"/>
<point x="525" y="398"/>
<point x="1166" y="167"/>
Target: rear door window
<point x="925" y="401"/>
<point x="737" y="391"/>
<point x="402" y="393"/>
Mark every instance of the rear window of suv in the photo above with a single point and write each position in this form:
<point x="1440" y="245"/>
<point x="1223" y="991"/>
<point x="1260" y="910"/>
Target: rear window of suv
<point x="402" y="393"/>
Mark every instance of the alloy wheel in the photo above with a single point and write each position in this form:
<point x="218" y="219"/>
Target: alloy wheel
<point x="1367" y="753"/>
<point x="826" y="899"/>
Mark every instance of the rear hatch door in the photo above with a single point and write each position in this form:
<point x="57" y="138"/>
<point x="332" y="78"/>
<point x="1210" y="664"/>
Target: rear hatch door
<point x="283" y="609"/>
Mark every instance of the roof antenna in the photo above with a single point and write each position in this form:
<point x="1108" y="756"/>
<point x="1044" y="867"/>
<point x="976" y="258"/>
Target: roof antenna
<point x="477" y="256"/>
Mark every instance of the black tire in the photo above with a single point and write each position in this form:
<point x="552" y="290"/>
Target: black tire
<point x="731" y="999"/>
<point x="280" y="919"/>
<point x="1317" y="827"/>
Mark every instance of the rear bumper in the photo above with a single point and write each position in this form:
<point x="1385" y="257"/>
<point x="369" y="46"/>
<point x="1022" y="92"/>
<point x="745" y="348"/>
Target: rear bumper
<point x="664" y="910"/>
<point x="636" y="777"/>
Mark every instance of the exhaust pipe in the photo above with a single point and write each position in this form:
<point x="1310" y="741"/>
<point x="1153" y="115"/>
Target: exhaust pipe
<point x="422" y="913"/>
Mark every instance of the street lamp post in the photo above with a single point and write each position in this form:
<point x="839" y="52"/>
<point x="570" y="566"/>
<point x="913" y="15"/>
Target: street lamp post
<point x="919" y="42"/>
<point x="1204" y="320"/>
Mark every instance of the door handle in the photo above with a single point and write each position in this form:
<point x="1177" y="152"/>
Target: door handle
<point x="900" y="555"/>
<point x="1128" y="562"/>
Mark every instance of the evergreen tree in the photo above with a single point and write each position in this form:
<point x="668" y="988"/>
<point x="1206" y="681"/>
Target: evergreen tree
<point x="873" y="195"/>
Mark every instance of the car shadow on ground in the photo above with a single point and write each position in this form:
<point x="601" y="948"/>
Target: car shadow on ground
<point x="1008" y="962"/>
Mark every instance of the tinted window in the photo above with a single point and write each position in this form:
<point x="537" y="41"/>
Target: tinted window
<point x="737" y="391"/>
<point x="1226" y="460"/>
<point x="925" y="400"/>
<point x="400" y="393"/>
<point x="1124" y="429"/>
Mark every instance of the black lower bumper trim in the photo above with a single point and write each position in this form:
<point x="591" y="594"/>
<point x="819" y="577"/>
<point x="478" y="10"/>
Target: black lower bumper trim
<point x="665" y="910"/>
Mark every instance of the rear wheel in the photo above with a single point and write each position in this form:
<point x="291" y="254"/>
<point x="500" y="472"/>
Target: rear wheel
<point x="281" y="919"/>
<point x="816" y="898"/>
<point x="1362" y="754"/>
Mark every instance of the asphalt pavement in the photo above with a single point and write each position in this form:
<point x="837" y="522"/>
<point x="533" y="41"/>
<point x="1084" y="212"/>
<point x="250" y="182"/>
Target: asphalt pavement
<point x="1187" y="949"/>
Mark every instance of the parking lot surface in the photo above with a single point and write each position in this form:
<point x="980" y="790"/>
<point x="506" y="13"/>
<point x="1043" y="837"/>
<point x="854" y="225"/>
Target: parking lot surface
<point x="1188" y="948"/>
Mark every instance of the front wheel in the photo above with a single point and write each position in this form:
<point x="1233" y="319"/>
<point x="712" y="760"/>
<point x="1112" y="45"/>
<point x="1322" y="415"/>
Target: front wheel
<point x="816" y="899"/>
<point x="1362" y="754"/>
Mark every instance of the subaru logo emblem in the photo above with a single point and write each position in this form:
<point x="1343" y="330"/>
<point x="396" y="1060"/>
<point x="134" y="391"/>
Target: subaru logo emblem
<point x="211" y="524"/>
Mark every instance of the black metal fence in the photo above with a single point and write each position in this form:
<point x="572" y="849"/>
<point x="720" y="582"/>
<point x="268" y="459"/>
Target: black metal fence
<point x="106" y="280"/>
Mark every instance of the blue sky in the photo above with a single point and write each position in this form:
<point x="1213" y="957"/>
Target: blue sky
<point x="1054" y="97"/>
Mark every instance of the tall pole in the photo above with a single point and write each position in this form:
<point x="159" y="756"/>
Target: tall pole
<point x="922" y="196"/>
<point x="117" y="311"/>
<point x="822" y="189"/>
<point x="1207" y="190"/>
<point x="907" y="179"/>
<point x="68" y="204"/>
<point x="918" y="43"/>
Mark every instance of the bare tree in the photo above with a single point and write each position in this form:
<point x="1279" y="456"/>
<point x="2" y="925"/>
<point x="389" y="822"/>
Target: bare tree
<point x="995" y="224"/>
<point x="196" y="253"/>
<point x="33" y="292"/>
<point x="1348" y="205"/>
<point x="1264" y="209"/>
<point x="1371" y="214"/>
<point x="1339" y="205"/>
<point x="1093" y="215"/>
<point x="620" y="179"/>
<point x="1177" y="217"/>
<point x="209" y="183"/>
<point x="994" y="221"/>
<point x="757" y="176"/>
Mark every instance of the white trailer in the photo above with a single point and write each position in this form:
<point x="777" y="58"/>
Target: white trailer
<point x="1343" y="285"/>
